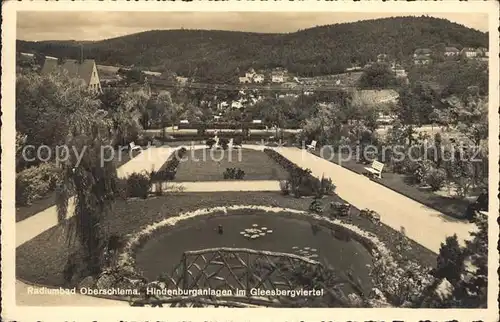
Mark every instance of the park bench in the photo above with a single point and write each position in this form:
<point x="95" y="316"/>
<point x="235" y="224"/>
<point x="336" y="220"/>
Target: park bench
<point x="376" y="168"/>
<point x="134" y="147"/>
<point x="312" y="146"/>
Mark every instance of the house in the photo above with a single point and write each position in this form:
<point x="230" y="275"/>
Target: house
<point x="244" y="80"/>
<point x="250" y="74"/>
<point x="451" y="51"/>
<point x="426" y="52"/>
<point x="258" y="78"/>
<point x="181" y="80"/>
<point x="482" y="52"/>
<point x="422" y="60"/>
<point x="399" y="71"/>
<point x="468" y="52"/>
<point x="85" y="70"/>
<point x="277" y="77"/>
<point x="382" y="58"/>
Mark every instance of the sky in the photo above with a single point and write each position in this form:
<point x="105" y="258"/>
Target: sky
<point x="37" y="26"/>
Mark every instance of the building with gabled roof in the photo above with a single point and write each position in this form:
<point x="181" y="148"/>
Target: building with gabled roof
<point x="86" y="71"/>
<point x="451" y="51"/>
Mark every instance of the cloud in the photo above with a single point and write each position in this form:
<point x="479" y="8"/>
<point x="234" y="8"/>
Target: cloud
<point x="102" y="25"/>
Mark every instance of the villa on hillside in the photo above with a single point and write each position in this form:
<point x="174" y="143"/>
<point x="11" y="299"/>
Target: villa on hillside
<point x="422" y="60"/>
<point x="422" y="52"/>
<point x="451" y="51"/>
<point x="469" y="52"/>
<point x="382" y="58"/>
<point x="86" y="71"/>
<point x="278" y="75"/>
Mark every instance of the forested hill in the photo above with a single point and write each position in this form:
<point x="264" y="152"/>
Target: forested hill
<point x="321" y="50"/>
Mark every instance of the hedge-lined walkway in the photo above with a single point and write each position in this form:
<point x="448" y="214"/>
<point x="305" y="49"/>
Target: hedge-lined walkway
<point x="422" y="224"/>
<point x="221" y="186"/>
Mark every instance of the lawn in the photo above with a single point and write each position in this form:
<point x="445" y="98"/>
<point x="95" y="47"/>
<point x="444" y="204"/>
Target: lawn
<point x="23" y="212"/>
<point x="209" y="165"/>
<point x="42" y="259"/>
<point x="449" y="206"/>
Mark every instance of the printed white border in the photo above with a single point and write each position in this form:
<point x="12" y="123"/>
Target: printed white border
<point x="20" y="313"/>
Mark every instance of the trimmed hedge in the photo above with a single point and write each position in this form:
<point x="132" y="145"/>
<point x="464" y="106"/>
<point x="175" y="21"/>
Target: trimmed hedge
<point x="222" y="126"/>
<point x="169" y="169"/>
<point x="301" y="182"/>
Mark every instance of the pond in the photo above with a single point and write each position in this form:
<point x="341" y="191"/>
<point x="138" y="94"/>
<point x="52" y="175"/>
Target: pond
<point x="278" y="233"/>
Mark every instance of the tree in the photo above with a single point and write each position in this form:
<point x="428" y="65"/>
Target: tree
<point x="450" y="260"/>
<point x="377" y="76"/>
<point x="46" y="106"/>
<point x="92" y="180"/>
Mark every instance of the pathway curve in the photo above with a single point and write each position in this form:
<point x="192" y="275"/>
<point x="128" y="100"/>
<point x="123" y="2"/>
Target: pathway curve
<point x="424" y="225"/>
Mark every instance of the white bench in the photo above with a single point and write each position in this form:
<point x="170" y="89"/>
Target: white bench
<point x="312" y="146"/>
<point x="376" y="168"/>
<point x="134" y="147"/>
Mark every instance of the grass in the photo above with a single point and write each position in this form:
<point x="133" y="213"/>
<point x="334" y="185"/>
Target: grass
<point x="256" y="164"/>
<point x="449" y="206"/>
<point x="42" y="259"/>
<point x="23" y="212"/>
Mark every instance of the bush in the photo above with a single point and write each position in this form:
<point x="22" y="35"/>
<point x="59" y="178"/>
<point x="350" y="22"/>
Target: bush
<point x="234" y="173"/>
<point x="371" y="215"/>
<point x="224" y="143"/>
<point x="302" y="182"/>
<point x="285" y="187"/>
<point x="36" y="182"/>
<point x="450" y="261"/>
<point x="436" y="179"/>
<point x="210" y="143"/>
<point x="238" y="141"/>
<point x="138" y="185"/>
<point x="316" y="206"/>
<point x="339" y="209"/>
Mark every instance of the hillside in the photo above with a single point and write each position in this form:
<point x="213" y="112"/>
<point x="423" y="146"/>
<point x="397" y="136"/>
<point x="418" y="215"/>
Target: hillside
<point x="217" y="55"/>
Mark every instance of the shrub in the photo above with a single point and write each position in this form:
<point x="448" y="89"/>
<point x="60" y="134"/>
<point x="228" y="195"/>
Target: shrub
<point x="36" y="182"/>
<point x="316" y="206"/>
<point x="224" y="143"/>
<point x="210" y="143"/>
<point x="138" y="185"/>
<point x="339" y="209"/>
<point x="234" y="173"/>
<point x="450" y="261"/>
<point x="436" y="178"/>
<point x="371" y="215"/>
<point x="238" y="141"/>
<point x="285" y="187"/>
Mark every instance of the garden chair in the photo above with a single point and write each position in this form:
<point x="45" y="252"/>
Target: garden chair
<point x="312" y="146"/>
<point x="134" y="147"/>
<point x="375" y="168"/>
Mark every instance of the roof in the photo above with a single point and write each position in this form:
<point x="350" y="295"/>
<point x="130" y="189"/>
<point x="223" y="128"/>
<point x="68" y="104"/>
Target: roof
<point x="423" y="51"/>
<point x="468" y="49"/>
<point x="77" y="70"/>
<point x="452" y="49"/>
<point x="49" y="66"/>
<point x="73" y="68"/>
<point x="422" y="57"/>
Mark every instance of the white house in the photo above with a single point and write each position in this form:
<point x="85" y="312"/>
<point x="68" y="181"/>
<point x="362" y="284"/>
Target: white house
<point x="277" y="77"/>
<point x="258" y="78"/>
<point x="451" y="51"/>
<point x="469" y="52"/>
<point x="250" y="73"/>
<point x="244" y="80"/>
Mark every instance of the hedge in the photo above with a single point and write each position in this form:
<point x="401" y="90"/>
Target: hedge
<point x="35" y="183"/>
<point x="169" y="169"/>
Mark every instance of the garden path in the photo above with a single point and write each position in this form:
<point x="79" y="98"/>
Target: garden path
<point x="424" y="225"/>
